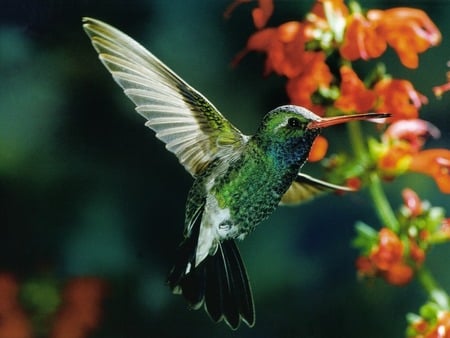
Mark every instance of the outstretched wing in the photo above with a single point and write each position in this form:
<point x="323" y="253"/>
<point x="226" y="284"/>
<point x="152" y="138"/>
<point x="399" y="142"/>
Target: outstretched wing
<point x="306" y="187"/>
<point x="192" y="128"/>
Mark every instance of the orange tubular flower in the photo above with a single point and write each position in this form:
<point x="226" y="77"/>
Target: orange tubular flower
<point x="435" y="163"/>
<point x="318" y="149"/>
<point x="399" y="98"/>
<point x="361" y="39"/>
<point x="314" y="76"/>
<point x="285" y="48"/>
<point x="355" y="97"/>
<point x="287" y="55"/>
<point x="402" y="141"/>
<point x="300" y="88"/>
<point x="262" y="14"/>
<point x="409" y="31"/>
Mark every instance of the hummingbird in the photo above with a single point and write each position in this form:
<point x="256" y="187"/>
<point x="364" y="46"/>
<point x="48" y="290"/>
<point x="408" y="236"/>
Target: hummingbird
<point x="239" y="180"/>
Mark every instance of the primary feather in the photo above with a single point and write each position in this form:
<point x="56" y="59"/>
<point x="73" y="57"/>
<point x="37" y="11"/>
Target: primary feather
<point x="192" y="128"/>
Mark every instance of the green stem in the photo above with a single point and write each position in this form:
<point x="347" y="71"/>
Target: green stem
<point x="437" y="294"/>
<point x="382" y="206"/>
<point x="356" y="139"/>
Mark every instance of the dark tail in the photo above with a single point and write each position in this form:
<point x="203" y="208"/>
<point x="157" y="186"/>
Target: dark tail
<point x="220" y="282"/>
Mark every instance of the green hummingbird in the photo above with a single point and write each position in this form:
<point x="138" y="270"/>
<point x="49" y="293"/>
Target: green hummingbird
<point x="239" y="180"/>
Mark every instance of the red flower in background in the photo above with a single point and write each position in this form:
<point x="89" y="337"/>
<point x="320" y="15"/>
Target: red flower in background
<point x="361" y="40"/>
<point x="301" y="88"/>
<point x="285" y="49"/>
<point x="409" y="31"/>
<point x="401" y="151"/>
<point x="81" y="308"/>
<point x="435" y="163"/>
<point x="13" y="321"/>
<point x="399" y="98"/>
<point x="355" y="97"/>
<point x="412" y="202"/>
<point x="437" y="327"/>
<point x="260" y="14"/>
<point x="386" y="260"/>
<point x="439" y="90"/>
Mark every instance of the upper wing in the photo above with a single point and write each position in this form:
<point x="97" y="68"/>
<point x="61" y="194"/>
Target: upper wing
<point x="192" y="128"/>
<point x="306" y="187"/>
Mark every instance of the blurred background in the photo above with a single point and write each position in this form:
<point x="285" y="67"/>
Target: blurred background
<point x="87" y="190"/>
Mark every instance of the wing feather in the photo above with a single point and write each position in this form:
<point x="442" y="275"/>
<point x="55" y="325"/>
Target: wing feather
<point x="192" y="128"/>
<point x="305" y="188"/>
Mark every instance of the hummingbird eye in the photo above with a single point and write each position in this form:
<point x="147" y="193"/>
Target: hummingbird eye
<point x="294" y="122"/>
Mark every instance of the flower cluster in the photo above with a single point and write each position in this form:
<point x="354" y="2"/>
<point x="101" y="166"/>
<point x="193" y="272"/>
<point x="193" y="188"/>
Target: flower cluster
<point x="387" y="259"/>
<point x="400" y="150"/>
<point x="75" y="317"/>
<point x="433" y="321"/>
<point x="395" y="256"/>
<point x="301" y="50"/>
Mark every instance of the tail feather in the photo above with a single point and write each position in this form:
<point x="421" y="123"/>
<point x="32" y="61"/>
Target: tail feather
<point x="220" y="282"/>
<point x="243" y="293"/>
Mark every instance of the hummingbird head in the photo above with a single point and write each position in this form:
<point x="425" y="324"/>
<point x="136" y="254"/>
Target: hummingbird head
<point x="285" y="134"/>
<point x="288" y="132"/>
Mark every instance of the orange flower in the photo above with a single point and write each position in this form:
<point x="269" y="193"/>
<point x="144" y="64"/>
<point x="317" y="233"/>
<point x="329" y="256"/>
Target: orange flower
<point x="365" y="266"/>
<point x="285" y="48"/>
<point x="399" y="98"/>
<point x="445" y="228"/>
<point x="416" y="252"/>
<point x="361" y="39"/>
<point x="355" y="97"/>
<point x="318" y="149"/>
<point x="259" y="42"/>
<point x="414" y="132"/>
<point x="262" y="13"/>
<point x="442" y="327"/>
<point x="409" y="31"/>
<point x="386" y="260"/>
<point x="354" y="183"/>
<point x="80" y="311"/>
<point x="412" y="202"/>
<point x="402" y="141"/>
<point x="313" y="77"/>
<point x="436" y="327"/>
<point x="439" y="90"/>
<point x="13" y="322"/>
<point x="435" y="163"/>
<point x="398" y="274"/>
<point x="389" y="250"/>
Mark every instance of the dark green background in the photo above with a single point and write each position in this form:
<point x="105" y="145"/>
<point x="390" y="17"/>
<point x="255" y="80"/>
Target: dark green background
<point x="86" y="189"/>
